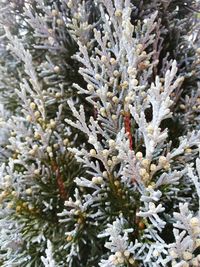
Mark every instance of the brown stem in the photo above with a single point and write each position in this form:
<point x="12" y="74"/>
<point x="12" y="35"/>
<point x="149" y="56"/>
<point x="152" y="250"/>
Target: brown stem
<point x="60" y="182"/>
<point x="127" y="123"/>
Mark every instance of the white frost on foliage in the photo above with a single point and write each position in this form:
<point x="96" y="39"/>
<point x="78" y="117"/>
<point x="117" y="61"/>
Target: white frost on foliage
<point x="187" y="229"/>
<point x="118" y="243"/>
<point x="48" y="261"/>
<point x="158" y="96"/>
<point x="151" y="211"/>
<point x="195" y="179"/>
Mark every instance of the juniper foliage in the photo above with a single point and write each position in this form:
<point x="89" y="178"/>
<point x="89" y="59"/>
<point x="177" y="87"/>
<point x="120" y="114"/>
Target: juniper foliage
<point x="100" y="137"/>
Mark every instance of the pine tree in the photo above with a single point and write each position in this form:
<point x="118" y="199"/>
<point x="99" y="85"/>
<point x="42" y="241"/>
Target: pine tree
<point x="99" y="133"/>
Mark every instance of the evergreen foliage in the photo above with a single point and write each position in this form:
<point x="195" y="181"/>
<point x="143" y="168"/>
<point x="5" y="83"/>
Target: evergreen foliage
<point x="100" y="138"/>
